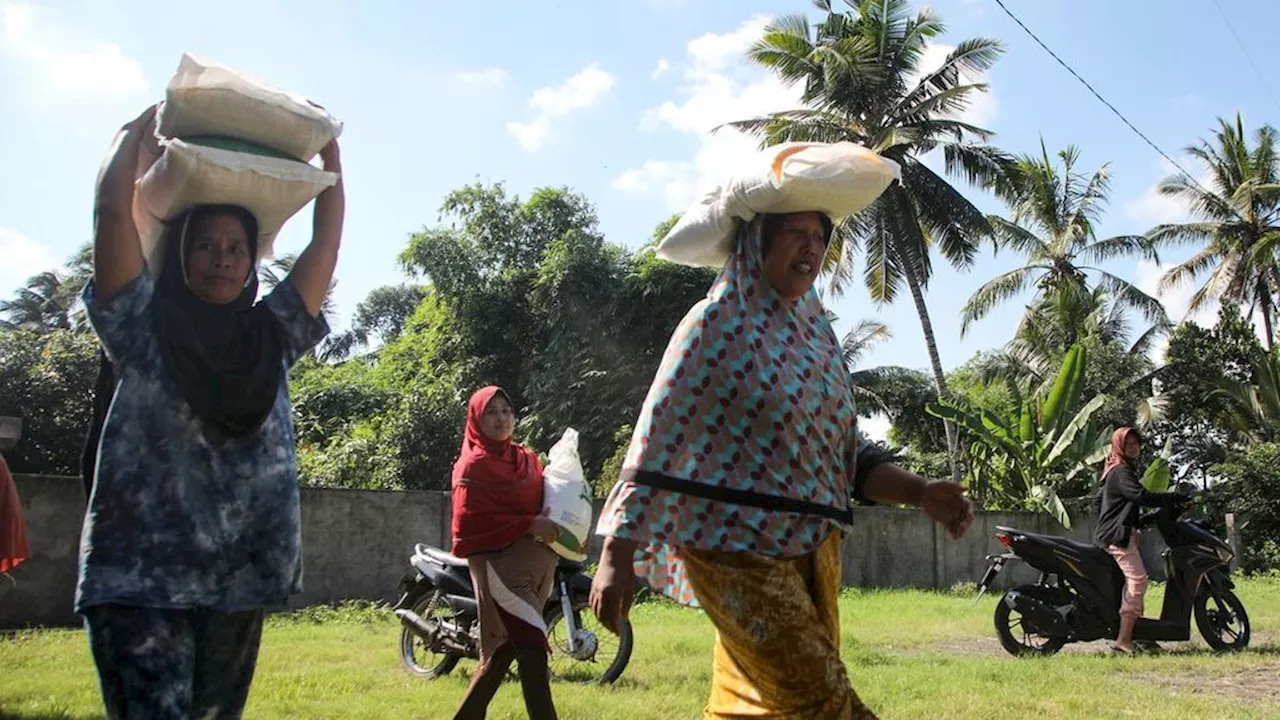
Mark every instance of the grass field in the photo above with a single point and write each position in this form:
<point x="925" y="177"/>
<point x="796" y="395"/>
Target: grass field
<point x="911" y="654"/>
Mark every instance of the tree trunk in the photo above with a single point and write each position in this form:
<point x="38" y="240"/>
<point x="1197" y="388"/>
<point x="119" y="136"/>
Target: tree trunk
<point x="1266" y="323"/>
<point x="939" y="380"/>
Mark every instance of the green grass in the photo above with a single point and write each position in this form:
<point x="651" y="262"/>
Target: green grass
<point x="910" y="654"/>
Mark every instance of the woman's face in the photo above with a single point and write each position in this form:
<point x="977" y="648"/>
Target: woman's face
<point x="1132" y="447"/>
<point x="218" y="261"/>
<point x="499" y="420"/>
<point x="795" y="255"/>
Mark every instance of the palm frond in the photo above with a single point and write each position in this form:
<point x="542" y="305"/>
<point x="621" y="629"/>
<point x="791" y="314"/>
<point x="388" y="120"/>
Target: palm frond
<point x="993" y="292"/>
<point x="1121" y="246"/>
<point x="865" y="335"/>
<point x="1131" y="295"/>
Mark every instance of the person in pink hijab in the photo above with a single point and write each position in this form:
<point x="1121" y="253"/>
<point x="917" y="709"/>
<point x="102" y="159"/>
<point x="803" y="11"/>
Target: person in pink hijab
<point x="1119" y="521"/>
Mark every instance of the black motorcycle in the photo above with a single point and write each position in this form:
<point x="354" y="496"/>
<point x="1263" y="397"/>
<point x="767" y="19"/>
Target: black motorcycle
<point x="1077" y="597"/>
<point x="437" y="608"/>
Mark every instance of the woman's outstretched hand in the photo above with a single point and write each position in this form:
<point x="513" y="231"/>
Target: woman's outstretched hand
<point x="946" y="503"/>
<point x="614" y="586"/>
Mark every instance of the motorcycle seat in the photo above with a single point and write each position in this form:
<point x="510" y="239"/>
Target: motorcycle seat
<point x="1083" y="550"/>
<point x="445" y="558"/>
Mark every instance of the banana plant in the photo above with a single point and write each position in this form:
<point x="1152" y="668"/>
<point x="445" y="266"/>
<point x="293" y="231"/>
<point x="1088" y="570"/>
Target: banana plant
<point x="1047" y="443"/>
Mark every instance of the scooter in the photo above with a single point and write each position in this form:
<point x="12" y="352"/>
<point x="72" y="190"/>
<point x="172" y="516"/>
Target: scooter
<point x="1077" y="596"/>
<point x="441" y="623"/>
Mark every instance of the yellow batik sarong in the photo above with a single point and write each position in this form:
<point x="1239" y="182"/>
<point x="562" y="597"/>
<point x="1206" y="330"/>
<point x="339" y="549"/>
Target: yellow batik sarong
<point x="777" y="622"/>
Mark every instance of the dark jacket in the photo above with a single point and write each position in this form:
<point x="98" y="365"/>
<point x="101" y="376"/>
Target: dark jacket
<point x="1122" y="495"/>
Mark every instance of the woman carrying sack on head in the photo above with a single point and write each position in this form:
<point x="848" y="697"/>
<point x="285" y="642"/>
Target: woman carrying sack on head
<point x="736" y="489"/>
<point x="499" y="527"/>
<point x="193" y="525"/>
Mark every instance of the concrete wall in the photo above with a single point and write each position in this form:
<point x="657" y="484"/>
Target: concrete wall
<point x="357" y="544"/>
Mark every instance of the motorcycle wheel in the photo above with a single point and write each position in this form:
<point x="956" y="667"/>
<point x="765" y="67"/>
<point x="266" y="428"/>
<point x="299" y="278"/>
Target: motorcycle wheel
<point x="1224" y="623"/>
<point x="1016" y="637"/>
<point x="604" y="665"/>
<point x="416" y="655"/>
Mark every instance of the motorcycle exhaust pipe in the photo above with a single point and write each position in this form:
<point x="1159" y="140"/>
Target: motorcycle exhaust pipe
<point x="1042" y="617"/>
<point x="430" y="631"/>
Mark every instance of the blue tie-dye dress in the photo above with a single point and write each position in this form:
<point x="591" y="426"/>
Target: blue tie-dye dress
<point x="177" y="519"/>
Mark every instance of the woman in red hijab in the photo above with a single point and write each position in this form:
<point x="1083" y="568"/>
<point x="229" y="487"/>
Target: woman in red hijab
<point x="499" y="527"/>
<point x="1118" y="526"/>
<point x="13" y="532"/>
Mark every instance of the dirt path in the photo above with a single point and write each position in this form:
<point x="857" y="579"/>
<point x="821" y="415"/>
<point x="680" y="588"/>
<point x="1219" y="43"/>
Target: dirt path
<point x="1257" y="684"/>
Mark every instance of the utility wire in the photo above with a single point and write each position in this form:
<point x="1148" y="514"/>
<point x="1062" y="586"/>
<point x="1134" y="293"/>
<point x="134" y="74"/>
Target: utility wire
<point x="1261" y="78"/>
<point x="1111" y="107"/>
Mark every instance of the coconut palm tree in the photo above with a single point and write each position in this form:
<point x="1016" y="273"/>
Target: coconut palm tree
<point x="1237" y="221"/>
<point x="1033" y="355"/>
<point x="862" y="81"/>
<point x="1054" y="210"/>
<point x="272" y="273"/>
<point x="40" y="304"/>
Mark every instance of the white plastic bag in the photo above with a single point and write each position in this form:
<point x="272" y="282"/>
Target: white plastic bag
<point x="209" y="99"/>
<point x="566" y="498"/>
<point x="187" y="175"/>
<point x="838" y="179"/>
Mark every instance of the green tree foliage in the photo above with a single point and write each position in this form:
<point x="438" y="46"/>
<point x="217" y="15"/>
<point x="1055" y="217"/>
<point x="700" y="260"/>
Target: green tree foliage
<point x="1250" y="488"/>
<point x="525" y="294"/>
<point x="47" y="379"/>
<point x="1191" y="408"/>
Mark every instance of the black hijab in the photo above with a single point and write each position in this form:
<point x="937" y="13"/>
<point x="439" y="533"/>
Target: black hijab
<point x="227" y="360"/>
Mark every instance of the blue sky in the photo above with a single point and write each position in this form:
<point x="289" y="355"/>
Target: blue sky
<point x="613" y="99"/>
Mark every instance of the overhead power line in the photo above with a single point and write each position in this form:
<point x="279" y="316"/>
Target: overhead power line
<point x="1103" y="100"/>
<point x="1261" y="78"/>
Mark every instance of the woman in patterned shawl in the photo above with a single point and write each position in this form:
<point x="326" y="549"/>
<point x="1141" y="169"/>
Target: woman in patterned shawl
<point x="499" y="527"/>
<point x="737" y="484"/>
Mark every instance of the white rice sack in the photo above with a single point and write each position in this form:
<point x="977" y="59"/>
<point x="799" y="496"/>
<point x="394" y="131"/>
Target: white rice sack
<point x="837" y="179"/>
<point x="566" y="498"/>
<point x="208" y="99"/>
<point x="187" y="175"/>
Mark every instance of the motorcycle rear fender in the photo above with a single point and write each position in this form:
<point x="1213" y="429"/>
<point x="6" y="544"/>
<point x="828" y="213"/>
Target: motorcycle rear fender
<point x="413" y="594"/>
<point x="441" y="577"/>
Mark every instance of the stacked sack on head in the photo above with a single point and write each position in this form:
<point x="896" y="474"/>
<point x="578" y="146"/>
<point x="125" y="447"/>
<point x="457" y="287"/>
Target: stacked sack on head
<point x="230" y="139"/>
<point x="837" y="179"/>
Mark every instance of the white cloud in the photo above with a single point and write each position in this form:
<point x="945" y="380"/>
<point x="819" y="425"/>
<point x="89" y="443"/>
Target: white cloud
<point x="1151" y="208"/>
<point x="486" y="76"/>
<point x="673" y="178"/>
<point x="64" y="64"/>
<point x="718" y="86"/>
<point x="23" y="257"/>
<point x="661" y="68"/>
<point x="580" y="91"/>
